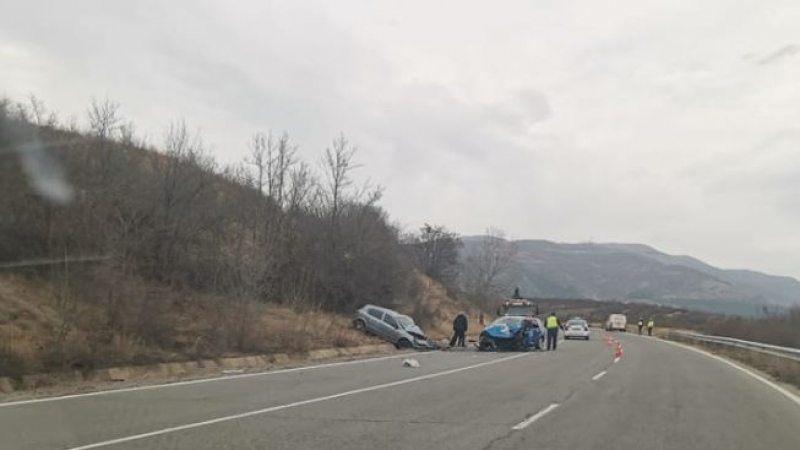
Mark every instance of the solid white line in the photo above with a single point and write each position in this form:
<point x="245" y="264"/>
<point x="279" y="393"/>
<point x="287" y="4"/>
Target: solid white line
<point x="758" y="377"/>
<point x="189" y="426"/>
<point x="200" y="381"/>
<point x="598" y="376"/>
<point x="524" y="424"/>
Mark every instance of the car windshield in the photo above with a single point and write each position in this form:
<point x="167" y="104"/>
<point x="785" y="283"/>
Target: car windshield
<point x="405" y="321"/>
<point x="576" y="323"/>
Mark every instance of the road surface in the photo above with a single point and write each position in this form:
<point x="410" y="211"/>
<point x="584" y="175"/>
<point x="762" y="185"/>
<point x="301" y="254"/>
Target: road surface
<point x="657" y="396"/>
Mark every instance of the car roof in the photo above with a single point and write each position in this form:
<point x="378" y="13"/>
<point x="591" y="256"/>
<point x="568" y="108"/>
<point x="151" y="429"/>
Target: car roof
<point x="384" y="310"/>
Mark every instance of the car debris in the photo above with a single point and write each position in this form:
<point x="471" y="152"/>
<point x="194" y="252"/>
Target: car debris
<point x="411" y="362"/>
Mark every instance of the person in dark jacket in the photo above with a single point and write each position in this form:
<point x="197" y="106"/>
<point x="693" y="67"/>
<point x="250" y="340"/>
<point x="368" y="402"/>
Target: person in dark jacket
<point x="459" y="331"/>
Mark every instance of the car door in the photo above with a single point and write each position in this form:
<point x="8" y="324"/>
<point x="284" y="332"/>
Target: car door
<point x="375" y="322"/>
<point x="391" y="327"/>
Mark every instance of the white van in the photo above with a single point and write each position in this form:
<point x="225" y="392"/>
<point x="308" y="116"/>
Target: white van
<point x="617" y="322"/>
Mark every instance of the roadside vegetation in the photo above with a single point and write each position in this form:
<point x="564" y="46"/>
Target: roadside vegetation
<point x="155" y="251"/>
<point x="776" y="329"/>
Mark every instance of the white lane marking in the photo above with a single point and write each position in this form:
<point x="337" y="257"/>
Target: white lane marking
<point x="598" y="376"/>
<point x="202" y="380"/>
<point x="525" y="423"/>
<point x="616" y="360"/>
<point x="189" y="426"/>
<point x="758" y="377"/>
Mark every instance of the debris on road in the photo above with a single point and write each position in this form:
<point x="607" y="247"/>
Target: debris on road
<point x="411" y="362"/>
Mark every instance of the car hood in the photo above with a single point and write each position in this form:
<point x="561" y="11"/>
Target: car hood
<point x="502" y="330"/>
<point x="416" y="331"/>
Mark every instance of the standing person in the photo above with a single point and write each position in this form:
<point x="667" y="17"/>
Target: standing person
<point x="552" y="324"/>
<point x="650" y="325"/>
<point x="640" y="324"/>
<point x="460" y="326"/>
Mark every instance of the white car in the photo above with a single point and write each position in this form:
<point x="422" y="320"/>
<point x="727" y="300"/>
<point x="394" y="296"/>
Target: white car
<point x="576" y="329"/>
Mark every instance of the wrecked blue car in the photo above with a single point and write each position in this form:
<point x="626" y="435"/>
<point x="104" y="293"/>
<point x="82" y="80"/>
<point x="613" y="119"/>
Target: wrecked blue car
<point x="512" y="333"/>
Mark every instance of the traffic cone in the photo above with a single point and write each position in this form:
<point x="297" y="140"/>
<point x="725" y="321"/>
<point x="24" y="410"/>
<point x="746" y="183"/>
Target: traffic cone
<point x="608" y="341"/>
<point x="618" y="350"/>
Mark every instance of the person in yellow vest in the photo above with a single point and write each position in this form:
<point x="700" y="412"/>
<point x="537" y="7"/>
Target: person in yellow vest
<point x="650" y="325"/>
<point x="552" y="324"/>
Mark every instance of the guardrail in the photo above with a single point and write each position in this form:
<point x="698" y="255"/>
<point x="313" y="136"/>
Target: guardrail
<point x="774" y="350"/>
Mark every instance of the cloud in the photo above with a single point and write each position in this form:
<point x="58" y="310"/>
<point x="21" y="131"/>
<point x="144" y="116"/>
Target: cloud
<point x="779" y="55"/>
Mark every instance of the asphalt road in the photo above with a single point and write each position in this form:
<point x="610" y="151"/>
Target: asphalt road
<point x="657" y="396"/>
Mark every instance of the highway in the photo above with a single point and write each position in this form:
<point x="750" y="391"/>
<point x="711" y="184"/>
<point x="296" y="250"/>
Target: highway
<point x="657" y="396"/>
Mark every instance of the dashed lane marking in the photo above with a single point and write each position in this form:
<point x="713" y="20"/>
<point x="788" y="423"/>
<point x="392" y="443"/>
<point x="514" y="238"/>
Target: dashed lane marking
<point x="525" y="423"/>
<point x="598" y="376"/>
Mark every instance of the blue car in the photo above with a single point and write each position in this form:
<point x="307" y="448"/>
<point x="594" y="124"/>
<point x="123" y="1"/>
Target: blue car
<point x="514" y="333"/>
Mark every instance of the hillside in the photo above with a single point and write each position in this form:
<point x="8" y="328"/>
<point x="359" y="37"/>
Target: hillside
<point x="115" y="251"/>
<point x="634" y="272"/>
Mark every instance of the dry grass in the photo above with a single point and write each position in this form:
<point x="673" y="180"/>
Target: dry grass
<point x="779" y="329"/>
<point x="434" y="311"/>
<point x="285" y="330"/>
<point x="38" y="333"/>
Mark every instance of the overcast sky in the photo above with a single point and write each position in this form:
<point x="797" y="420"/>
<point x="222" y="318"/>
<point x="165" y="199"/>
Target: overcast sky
<point x="673" y="123"/>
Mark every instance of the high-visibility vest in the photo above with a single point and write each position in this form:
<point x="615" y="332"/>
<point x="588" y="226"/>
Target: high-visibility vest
<point x="650" y="324"/>
<point x="552" y="322"/>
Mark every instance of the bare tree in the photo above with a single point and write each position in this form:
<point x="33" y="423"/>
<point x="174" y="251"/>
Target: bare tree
<point x="338" y="163"/>
<point x="261" y="146"/>
<point x="435" y="252"/>
<point x="103" y="119"/>
<point x="484" y="265"/>
<point x="302" y="183"/>
<point x="39" y="113"/>
<point x="127" y="135"/>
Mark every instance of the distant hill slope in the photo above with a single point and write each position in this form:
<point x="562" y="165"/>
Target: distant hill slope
<point x="635" y="272"/>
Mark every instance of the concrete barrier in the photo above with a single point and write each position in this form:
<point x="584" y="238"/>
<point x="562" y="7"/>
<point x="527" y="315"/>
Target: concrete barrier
<point x="118" y="374"/>
<point x="325" y="353"/>
<point x="153" y="370"/>
<point x="280" y="358"/>
<point x="190" y="367"/>
<point x="254" y="361"/>
<point x="229" y="363"/>
<point x="6" y="386"/>
<point x="175" y="369"/>
<point x="208" y="364"/>
<point x="37" y="380"/>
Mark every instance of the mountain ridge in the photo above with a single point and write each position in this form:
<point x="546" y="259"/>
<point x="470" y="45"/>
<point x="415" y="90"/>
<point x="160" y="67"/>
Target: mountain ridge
<point x="639" y="272"/>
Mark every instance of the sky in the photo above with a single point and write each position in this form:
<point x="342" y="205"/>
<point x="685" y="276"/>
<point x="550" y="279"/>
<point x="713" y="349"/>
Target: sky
<point x="669" y="123"/>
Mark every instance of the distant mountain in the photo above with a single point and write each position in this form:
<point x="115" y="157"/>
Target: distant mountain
<point x="635" y="272"/>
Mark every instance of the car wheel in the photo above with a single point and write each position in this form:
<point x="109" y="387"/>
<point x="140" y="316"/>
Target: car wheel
<point x="360" y="326"/>
<point x="403" y="344"/>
